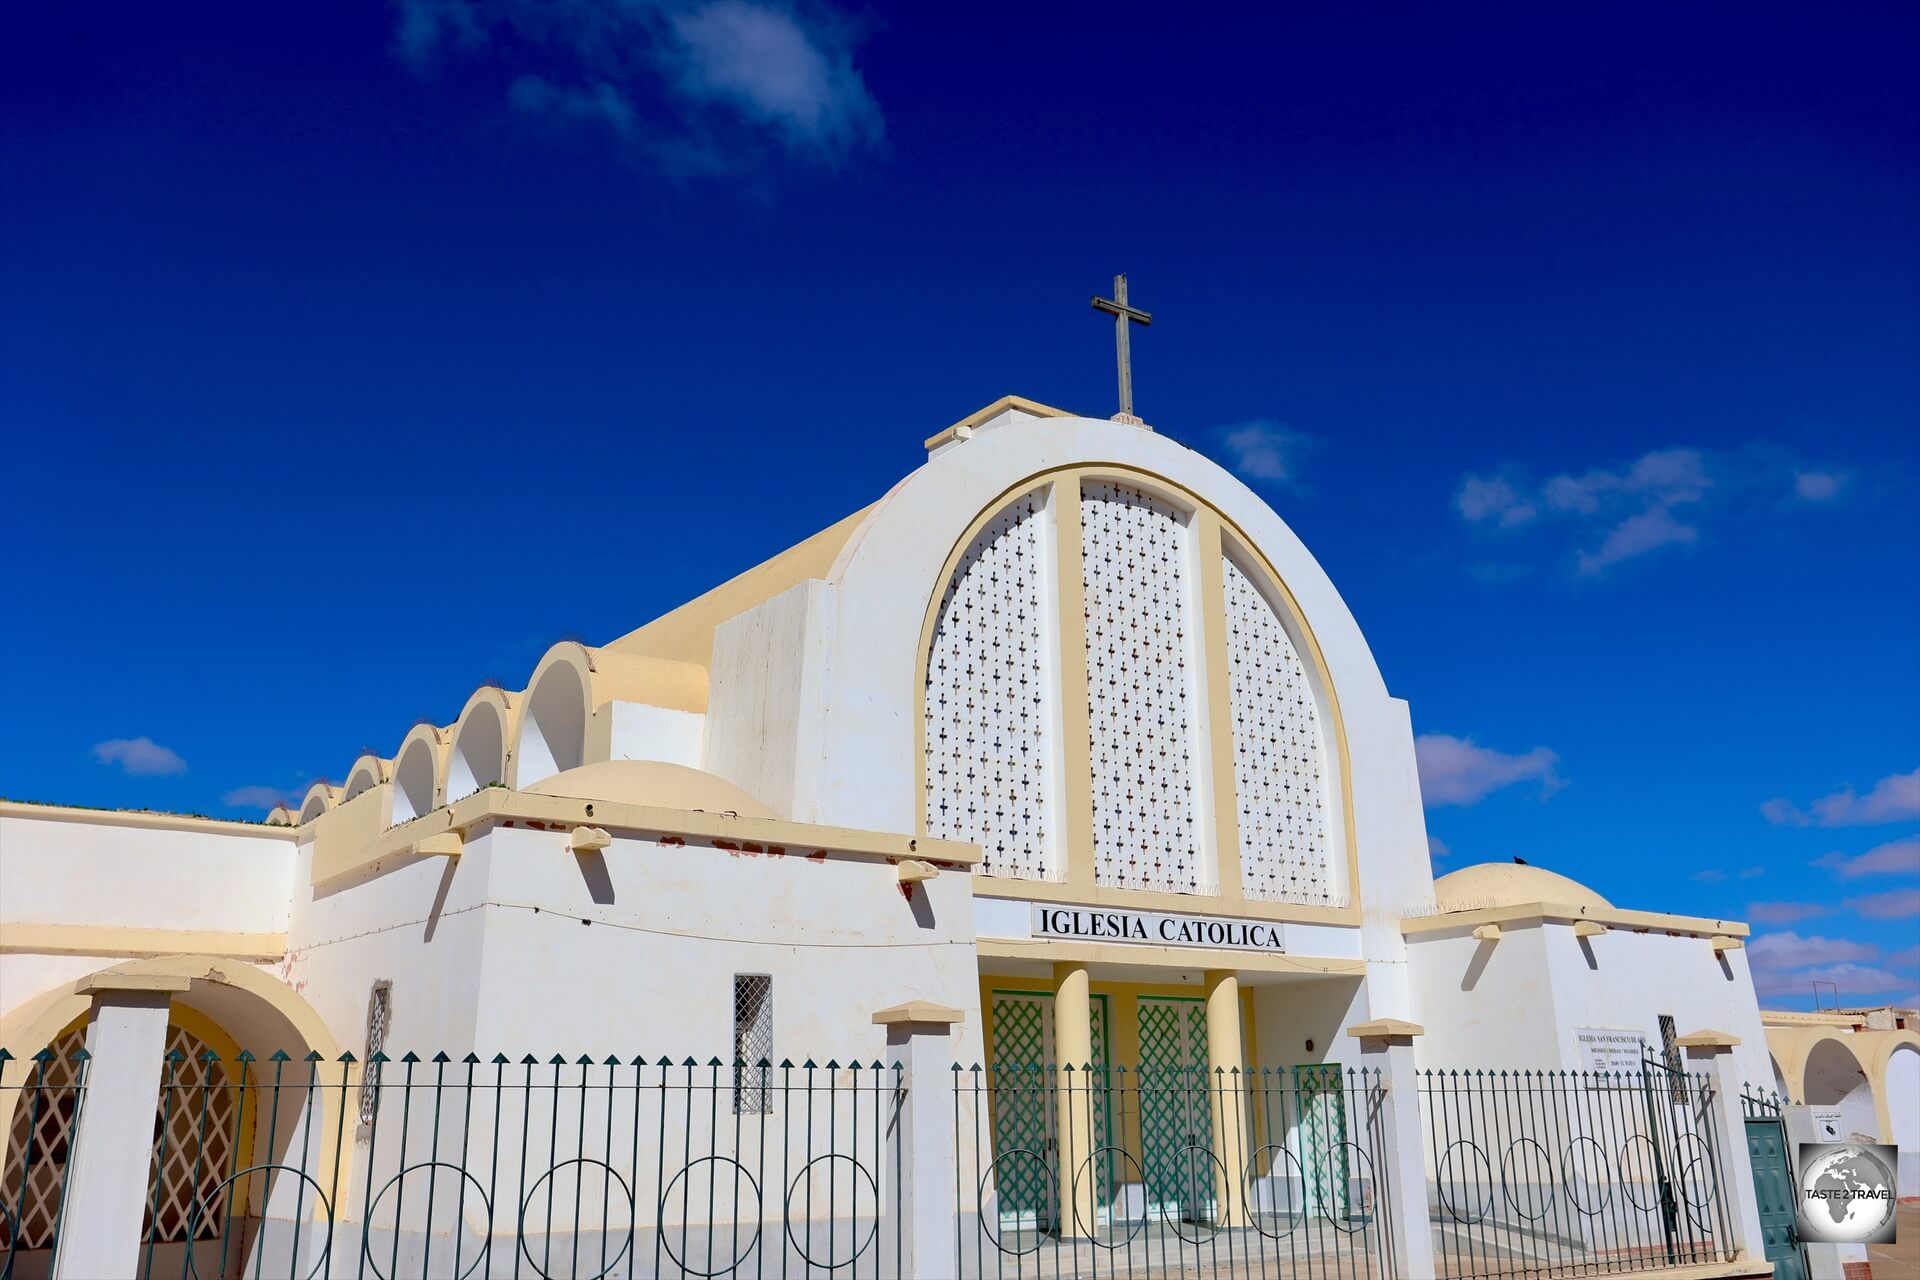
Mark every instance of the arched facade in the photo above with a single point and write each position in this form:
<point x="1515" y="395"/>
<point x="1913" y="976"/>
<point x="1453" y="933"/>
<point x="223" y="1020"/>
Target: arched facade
<point x="478" y="755"/>
<point x="552" y="736"/>
<point x="1079" y="619"/>
<point x="368" y="772"/>
<point x="418" y="765"/>
<point x="201" y="1133"/>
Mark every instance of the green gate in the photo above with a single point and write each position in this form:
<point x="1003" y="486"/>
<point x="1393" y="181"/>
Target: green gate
<point x="1773" y="1187"/>
<point x="1176" y="1107"/>
<point x="1323" y="1138"/>
<point x="1024" y="1089"/>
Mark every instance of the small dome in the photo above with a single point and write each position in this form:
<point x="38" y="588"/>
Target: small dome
<point x="653" y="782"/>
<point x="1506" y="884"/>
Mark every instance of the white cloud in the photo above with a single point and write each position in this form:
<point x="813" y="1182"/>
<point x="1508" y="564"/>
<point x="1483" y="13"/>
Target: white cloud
<point x="142" y="757"/>
<point x="1818" y="486"/>
<point x="1785" y="912"/>
<point x="1895" y="798"/>
<point x="1494" y="498"/>
<point x="690" y="84"/>
<point x="1437" y="848"/>
<point x="1849" y="978"/>
<point x="1635" y="536"/>
<point x="758" y="59"/>
<point x="1894" y="858"/>
<point x="259" y="798"/>
<point x="1897" y="904"/>
<point x="1458" y="771"/>
<point x="1789" y="950"/>
<point x="1263" y="450"/>
<point x="1663" y="498"/>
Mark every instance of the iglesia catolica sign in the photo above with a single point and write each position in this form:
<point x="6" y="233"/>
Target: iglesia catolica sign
<point x="1155" y="929"/>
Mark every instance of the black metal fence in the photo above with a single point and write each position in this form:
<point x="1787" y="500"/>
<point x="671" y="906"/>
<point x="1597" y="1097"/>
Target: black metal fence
<point x="559" y="1168"/>
<point x="42" y="1098"/>
<point x="1171" y="1172"/>
<point x="1565" y="1173"/>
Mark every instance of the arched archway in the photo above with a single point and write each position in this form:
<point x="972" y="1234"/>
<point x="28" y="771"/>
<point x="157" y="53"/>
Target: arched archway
<point x="1834" y="1076"/>
<point x="217" y="1110"/>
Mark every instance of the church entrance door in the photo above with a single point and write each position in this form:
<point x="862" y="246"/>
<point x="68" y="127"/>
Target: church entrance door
<point x="1176" y="1107"/>
<point x="1025" y="1092"/>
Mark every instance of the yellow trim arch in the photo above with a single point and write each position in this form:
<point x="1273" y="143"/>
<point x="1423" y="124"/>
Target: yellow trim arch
<point x="36" y="1024"/>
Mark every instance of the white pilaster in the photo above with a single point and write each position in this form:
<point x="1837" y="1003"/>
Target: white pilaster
<point x="920" y="1038"/>
<point x="1386" y="1046"/>
<point x="1712" y="1052"/>
<point x="107" y="1171"/>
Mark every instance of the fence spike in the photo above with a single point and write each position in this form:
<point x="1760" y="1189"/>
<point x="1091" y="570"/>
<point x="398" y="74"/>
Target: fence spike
<point x="557" y="1060"/>
<point x="473" y="1059"/>
<point x="786" y="1064"/>
<point x="831" y="1065"/>
<point x="500" y="1060"/>
<point x="279" y="1055"/>
<point x="529" y="1061"/>
<point x="715" y="1062"/>
<point x="441" y="1058"/>
<point x="808" y="1064"/>
<point x="585" y="1061"/>
<point x="689" y="1062"/>
<point x="410" y="1058"/>
<point x="5" y="1056"/>
<point x="665" y="1061"/>
<point x="611" y="1061"/>
<point x="209" y="1056"/>
<point x="347" y="1057"/>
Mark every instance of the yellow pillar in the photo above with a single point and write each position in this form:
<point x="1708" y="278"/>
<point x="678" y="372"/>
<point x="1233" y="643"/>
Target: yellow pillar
<point x="1226" y="1071"/>
<point x="1074" y="1100"/>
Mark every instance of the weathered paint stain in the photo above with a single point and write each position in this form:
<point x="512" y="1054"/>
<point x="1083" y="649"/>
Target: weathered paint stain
<point x="906" y="891"/>
<point x="818" y="855"/>
<point x="673" y="842"/>
<point x="776" y="851"/>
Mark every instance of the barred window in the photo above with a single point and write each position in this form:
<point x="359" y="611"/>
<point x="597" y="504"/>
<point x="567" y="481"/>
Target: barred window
<point x="752" y="1043"/>
<point x="379" y="1015"/>
<point x="1670" y="1051"/>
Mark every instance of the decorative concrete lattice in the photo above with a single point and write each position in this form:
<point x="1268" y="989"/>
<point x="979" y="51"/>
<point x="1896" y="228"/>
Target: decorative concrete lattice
<point x="1279" y="757"/>
<point x="379" y="1020"/>
<point x="45" y="1102"/>
<point x="989" y="674"/>
<point x="1139" y="690"/>
<point x="193" y="1147"/>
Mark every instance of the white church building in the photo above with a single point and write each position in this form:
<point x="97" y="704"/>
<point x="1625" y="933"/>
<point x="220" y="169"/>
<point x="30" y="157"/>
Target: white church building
<point x="1064" y="753"/>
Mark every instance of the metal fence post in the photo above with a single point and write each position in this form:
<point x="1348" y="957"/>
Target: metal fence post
<point x="919" y="1037"/>
<point x="107" y="1171"/>
<point x="1386" y="1046"/>
<point x="1712" y="1051"/>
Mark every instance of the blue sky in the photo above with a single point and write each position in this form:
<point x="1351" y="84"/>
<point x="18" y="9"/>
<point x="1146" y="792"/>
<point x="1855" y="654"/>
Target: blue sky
<point x="349" y="357"/>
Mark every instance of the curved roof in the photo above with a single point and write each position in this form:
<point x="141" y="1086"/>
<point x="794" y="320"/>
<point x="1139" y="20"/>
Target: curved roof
<point x="1507" y="884"/>
<point x="652" y="782"/>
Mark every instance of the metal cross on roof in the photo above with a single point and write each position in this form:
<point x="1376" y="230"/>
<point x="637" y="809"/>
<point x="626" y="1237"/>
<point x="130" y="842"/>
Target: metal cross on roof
<point x="1123" y="315"/>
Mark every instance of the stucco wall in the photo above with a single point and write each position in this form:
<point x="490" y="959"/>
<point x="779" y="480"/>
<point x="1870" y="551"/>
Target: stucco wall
<point x="112" y="874"/>
<point x="1521" y="1002"/>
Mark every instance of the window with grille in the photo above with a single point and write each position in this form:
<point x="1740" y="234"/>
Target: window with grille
<point x="752" y="1043"/>
<point x="1670" y="1051"/>
<point x="379" y="1017"/>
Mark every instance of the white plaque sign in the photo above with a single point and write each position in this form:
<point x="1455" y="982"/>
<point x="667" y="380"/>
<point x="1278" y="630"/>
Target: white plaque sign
<point x="1151" y="928"/>
<point x="1610" y="1048"/>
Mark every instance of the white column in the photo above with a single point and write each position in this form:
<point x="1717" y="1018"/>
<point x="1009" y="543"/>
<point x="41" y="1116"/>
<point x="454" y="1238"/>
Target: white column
<point x="1386" y="1046"/>
<point x="1824" y="1261"/>
<point x="113" y="1142"/>
<point x="1712" y="1052"/>
<point x="920" y="1038"/>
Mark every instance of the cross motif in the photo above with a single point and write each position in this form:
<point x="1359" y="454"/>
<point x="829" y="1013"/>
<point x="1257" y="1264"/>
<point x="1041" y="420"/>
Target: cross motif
<point x="1123" y="315"/>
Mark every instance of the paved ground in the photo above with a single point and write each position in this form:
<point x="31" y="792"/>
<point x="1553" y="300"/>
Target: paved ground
<point x="1901" y="1259"/>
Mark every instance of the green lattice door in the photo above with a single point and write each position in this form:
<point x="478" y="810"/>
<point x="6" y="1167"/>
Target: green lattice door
<point x="1025" y="1081"/>
<point x="1176" y="1107"/>
<point x="1323" y="1137"/>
